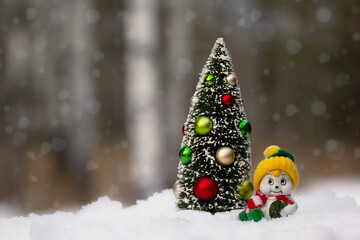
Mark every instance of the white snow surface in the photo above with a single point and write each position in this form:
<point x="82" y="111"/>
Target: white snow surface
<point x="322" y="215"/>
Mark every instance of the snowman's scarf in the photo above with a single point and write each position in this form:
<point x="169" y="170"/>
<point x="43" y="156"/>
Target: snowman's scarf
<point x="259" y="199"/>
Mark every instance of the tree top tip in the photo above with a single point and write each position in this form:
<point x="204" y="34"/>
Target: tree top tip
<point x="220" y="40"/>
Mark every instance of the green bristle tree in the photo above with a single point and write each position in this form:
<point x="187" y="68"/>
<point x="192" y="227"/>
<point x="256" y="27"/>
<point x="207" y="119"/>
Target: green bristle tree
<point x="215" y="160"/>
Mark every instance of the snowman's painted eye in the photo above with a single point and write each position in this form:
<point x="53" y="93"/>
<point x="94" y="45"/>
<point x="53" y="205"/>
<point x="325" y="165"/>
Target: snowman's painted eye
<point x="283" y="181"/>
<point x="271" y="181"/>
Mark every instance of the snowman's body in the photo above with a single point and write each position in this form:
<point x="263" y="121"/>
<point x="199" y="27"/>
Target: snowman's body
<point x="273" y="186"/>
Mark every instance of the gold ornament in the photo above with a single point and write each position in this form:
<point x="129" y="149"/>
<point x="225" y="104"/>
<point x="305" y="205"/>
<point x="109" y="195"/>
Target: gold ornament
<point x="203" y="125"/>
<point x="176" y="189"/>
<point x="194" y="101"/>
<point x="225" y="156"/>
<point x="246" y="190"/>
<point x="231" y="79"/>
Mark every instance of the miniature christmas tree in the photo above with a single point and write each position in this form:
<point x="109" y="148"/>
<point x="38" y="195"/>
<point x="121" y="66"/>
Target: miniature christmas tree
<point x="214" y="167"/>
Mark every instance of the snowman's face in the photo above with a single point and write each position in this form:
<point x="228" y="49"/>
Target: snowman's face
<point x="276" y="186"/>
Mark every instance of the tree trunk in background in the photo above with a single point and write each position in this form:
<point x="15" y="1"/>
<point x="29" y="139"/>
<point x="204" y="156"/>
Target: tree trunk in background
<point x="143" y="96"/>
<point x="49" y="84"/>
<point x="179" y="54"/>
<point x="74" y="106"/>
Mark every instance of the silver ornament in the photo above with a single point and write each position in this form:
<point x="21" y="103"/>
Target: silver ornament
<point x="194" y="101"/>
<point x="225" y="156"/>
<point x="231" y="79"/>
<point x="176" y="189"/>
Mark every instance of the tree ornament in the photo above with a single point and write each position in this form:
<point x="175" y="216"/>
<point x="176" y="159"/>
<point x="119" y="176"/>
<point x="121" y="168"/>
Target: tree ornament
<point x="205" y="188"/>
<point x="227" y="100"/>
<point x="194" y="101"/>
<point x="246" y="189"/>
<point x="203" y="125"/>
<point x="210" y="80"/>
<point x="185" y="154"/>
<point x="231" y="79"/>
<point x="225" y="156"/>
<point x="176" y="189"/>
<point x="184" y="130"/>
<point x="245" y="128"/>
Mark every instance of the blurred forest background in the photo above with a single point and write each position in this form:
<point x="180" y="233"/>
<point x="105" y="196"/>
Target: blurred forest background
<point x="93" y="94"/>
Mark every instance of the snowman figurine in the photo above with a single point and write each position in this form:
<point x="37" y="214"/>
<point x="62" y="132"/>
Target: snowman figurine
<point x="275" y="178"/>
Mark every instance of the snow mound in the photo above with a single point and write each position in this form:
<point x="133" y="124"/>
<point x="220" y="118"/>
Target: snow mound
<point x="320" y="216"/>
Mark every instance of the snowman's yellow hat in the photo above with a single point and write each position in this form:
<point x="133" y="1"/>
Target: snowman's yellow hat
<point x="276" y="159"/>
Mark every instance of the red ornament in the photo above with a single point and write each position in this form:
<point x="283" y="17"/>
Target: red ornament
<point x="205" y="188"/>
<point x="227" y="99"/>
<point x="183" y="130"/>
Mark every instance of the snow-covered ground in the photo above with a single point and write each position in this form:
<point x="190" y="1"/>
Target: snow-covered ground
<point x="342" y="186"/>
<point x="321" y="215"/>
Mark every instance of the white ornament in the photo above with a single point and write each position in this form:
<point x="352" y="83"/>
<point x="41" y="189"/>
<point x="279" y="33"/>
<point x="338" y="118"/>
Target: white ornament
<point x="176" y="189"/>
<point x="225" y="156"/>
<point x="231" y="79"/>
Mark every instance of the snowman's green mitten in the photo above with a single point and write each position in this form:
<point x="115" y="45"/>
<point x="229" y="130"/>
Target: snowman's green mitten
<point x="243" y="217"/>
<point x="256" y="215"/>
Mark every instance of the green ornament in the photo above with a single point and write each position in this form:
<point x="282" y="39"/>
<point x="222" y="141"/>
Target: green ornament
<point x="275" y="209"/>
<point x="246" y="190"/>
<point x="210" y="80"/>
<point x="203" y="125"/>
<point x="185" y="154"/>
<point x="245" y="128"/>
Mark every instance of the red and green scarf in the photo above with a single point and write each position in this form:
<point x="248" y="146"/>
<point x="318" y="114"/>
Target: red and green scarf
<point x="259" y="199"/>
